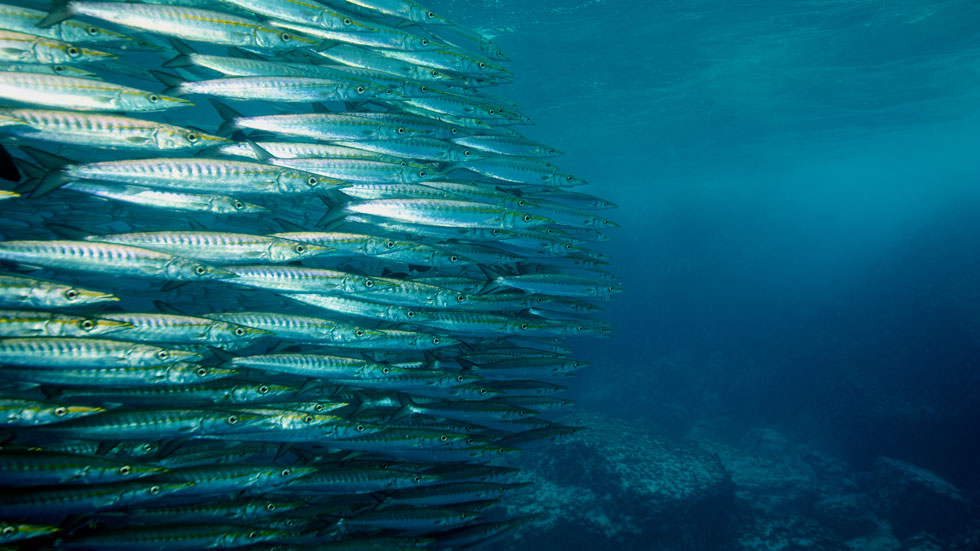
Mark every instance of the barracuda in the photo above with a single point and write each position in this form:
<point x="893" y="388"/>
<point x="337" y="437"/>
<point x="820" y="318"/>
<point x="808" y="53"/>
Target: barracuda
<point x="372" y="36"/>
<point x="25" y="20"/>
<point x="445" y="212"/>
<point x="28" y="48"/>
<point x="115" y="377"/>
<point x="64" y="70"/>
<point x="107" y="259"/>
<point x="298" y="279"/>
<point x="359" y="170"/>
<point x="419" y="148"/>
<point x="19" y="412"/>
<point x="182" y="22"/>
<point x="55" y="503"/>
<point x="281" y="89"/>
<point x="364" y="58"/>
<point x="39" y="468"/>
<point x="217" y="247"/>
<point x="81" y="94"/>
<point x="166" y="200"/>
<point x="98" y="130"/>
<point x="69" y="352"/>
<point x="31" y="323"/>
<point x="181" y="329"/>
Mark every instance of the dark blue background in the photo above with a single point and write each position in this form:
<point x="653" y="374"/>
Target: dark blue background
<point x="800" y="198"/>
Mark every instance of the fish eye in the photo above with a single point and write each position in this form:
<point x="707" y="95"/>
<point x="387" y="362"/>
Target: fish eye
<point x="423" y="88"/>
<point x="521" y="413"/>
<point x="73" y="51"/>
<point x="527" y="217"/>
<point x="569" y="177"/>
<point x="436" y="340"/>
<point x="7" y="530"/>
<point x="308" y="419"/>
<point x="523" y="326"/>
<point x="385" y="370"/>
<point x="466" y="153"/>
<point x="87" y="325"/>
<point x="125" y="470"/>
<point x="360" y="89"/>
<point x="238" y="205"/>
<point x="154" y="490"/>
<point x="239" y="332"/>
<point x="285" y="37"/>
<point x="252" y="534"/>
<point x="147" y="447"/>
<point x="495" y="231"/>
<point x="359" y="333"/>
<point x="263" y="389"/>
<point x="490" y="111"/>
<point x="318" y="408"/>
<point x="520" y="202"/>
<point x="430" y="15"/>
<point x="299" y="248"/>
<point x="483" y="391"/>
<point x="232" y="419"/>
<point x="453" y="131"/>
<point x="425" y="42"/>
<point x="401" y="130"/>
<point x="270" y="507"/>
<point x="359" y="428"/>
<point x="191" y="137"/>
<point x="460" y="378"/>
<point x="201" y="372"/>
<point x="369" y="283"/>
<point x="92" y="31"/>
<point x="611" y="288"/>
<point x="71" y="294"/>
<point x="434" y="73"/>
<point x="417" y="479"/>
<point x="153" y="98"/>
<point x="347" y="21"/>
<point x="443" y="438"/>
<point x="163" y="354"/>
<point x="389" y="244"/>
<point x="58" y="68"/>
<point x="453" y="258"/>
<point x="421" y="174"/>
<point x="469" y="441"/>
<point x="312" y="181"/>
<point x="460" y="298"/>
<point x="410" y="313"/>
<point x="60" y="411"/>
<point x="199" y="270"/>
<point x="483" y="65"/>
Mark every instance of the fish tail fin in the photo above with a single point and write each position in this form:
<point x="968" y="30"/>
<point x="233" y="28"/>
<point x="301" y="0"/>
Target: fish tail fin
<point x="60" y="11"/>
<point x="173" y="83"/>
<point x="52" y="166"/>
<point x="228" y="115"/>
<point x="491" y="285"/>
<point x="335" y="214"/>
<point x="184" y="53"/>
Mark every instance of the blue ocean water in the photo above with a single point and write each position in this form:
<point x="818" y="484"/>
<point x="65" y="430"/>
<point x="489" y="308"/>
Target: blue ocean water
<point x="797" y="189"/>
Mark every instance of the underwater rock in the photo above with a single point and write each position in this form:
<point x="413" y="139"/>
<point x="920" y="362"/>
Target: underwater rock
<point x="613" y="484"/>
<point x="915" y="499"/>
<point x="752" y="531"/>
<point x="847" y="515"/>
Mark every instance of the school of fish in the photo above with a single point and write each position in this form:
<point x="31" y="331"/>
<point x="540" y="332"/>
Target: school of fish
<point x="276" y="274"/>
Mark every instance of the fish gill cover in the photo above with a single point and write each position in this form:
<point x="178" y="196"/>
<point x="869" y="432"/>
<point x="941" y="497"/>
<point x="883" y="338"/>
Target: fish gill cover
<point x="275" y="274"/>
